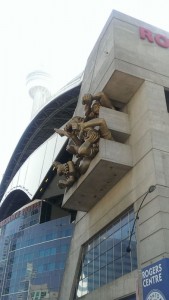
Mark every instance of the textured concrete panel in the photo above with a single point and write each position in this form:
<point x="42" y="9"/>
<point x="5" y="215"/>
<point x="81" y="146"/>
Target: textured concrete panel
<point x="111" y="163"/>
<point x="147" y="251"/>
<point x="128" y="86"/>
<point x="117" y="122"/>
<point x="121" y="287"/>
<point x="148" y="55"/>
<point x="141" y="147"/>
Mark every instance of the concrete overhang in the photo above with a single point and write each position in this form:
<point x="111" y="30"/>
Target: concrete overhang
<point x="117" y="122"/>
<point x="122" y="86"/>
<point x="112" y="162"/>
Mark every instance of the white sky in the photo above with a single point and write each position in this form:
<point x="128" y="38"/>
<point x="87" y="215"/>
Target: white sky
<point x="57" y="37"/>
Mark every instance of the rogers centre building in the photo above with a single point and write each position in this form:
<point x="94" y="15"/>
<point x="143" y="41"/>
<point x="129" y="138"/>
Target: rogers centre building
<point x="120" y="205"/>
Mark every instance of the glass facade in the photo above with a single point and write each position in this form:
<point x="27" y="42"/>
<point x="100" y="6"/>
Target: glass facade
<point x="33" y="254"/>
<point x="105" y="258"/>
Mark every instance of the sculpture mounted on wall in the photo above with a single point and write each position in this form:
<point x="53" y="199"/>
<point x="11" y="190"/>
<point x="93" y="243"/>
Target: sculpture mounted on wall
<point x="84" y="135"/>
<point x="69" y="172"/>
<point x="92" y="104"/>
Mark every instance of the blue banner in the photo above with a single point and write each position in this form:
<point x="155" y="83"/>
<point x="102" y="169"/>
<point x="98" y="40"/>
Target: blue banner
<point x="155" y="280"/>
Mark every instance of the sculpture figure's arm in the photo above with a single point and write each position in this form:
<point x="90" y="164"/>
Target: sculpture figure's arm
<point x="71" y="136"/>
<point x="62" y="132"/>
<point x="104" y="131"/>
<point x="103" y="99"/>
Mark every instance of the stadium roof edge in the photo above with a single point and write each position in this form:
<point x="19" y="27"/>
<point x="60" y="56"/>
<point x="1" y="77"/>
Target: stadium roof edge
<point x="54" y="114"/>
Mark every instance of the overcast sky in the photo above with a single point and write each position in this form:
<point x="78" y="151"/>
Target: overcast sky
<point x="57" y="37"/>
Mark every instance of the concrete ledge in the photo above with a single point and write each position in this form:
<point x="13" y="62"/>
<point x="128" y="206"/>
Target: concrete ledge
<point x="117" y="122"/>
<point x="111" y="163"/>
<point x="128" y="86"/>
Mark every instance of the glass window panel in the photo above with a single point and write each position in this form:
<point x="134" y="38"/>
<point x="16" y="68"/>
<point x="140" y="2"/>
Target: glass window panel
<point x="51" y="266"/>
<point x="103" y="246"/>
<point x="53" y="251"/>
<point x="41" y="253"/>
<point x="110" y="255"/>
<point x="47" y="252"/>
<point x="96" y="264"/>
<point x="126" y="263"/>
<point x="103" y="236"/>
<point x="79" y="289"/>
<point x="125" y="244"/>
<point x="110" y="241"/>
<point x="118" y="268"/>
<point x="117" y="225"/>
<point x="84" y="287"/>
<point x="85" y="271"/>
<point x="117" y="236"/>
<point x="117" y="251"/>
<point x="40" y="269"/>
<point x="61" y="265"/>
<point x="49" y="236"/>
<point x="90" y="283"/>
<point x="125" y="232"/>
<point x="96" y="279"/>
<point x="103" y="276"/>
<point x="90" y="255"/>
<point x="103" y="260"/>
<point x="96" y="251"/>
<point x="90" y="268"/>
<point x="133" y="238"/>
<point x="110" y="272"/>
<point x="85" y="259"/>
<point x="131" y="225"/>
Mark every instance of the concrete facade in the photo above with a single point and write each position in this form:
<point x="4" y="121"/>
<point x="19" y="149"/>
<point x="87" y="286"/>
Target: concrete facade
<point x="134" y="73"/>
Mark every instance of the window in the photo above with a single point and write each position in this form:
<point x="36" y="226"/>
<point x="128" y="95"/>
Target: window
<point x="167" y="98"/>
<point x="39" y="295"/>
<point x="105" y="257"/>
<point x="132" y="297"/>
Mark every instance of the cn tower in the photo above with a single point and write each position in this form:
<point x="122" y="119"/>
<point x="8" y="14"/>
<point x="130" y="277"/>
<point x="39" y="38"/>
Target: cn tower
<point x="38" y="84"/>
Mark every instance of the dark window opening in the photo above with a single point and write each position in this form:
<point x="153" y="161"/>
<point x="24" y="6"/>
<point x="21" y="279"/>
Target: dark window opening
<point x="167" y="98"/>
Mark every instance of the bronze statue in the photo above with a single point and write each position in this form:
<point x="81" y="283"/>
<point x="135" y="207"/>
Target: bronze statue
<point x="84" y="135"/>
<point x="92" y="104"/>
<point x="68" y="170"/>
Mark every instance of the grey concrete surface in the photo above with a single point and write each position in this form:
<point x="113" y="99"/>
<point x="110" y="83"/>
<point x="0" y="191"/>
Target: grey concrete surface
<point x="111" y="163"/>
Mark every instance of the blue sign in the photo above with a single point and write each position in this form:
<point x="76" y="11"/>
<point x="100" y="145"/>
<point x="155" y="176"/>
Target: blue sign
<point x="155" y="281"/>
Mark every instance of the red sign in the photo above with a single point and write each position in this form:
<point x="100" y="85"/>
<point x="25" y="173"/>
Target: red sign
<point x="159" y="39"/>
<point x="21" y="212"/>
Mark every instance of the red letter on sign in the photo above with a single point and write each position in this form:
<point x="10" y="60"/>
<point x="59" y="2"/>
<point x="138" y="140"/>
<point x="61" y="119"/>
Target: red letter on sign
<point x="162" y="41"/>
<point x="144" y="33"/>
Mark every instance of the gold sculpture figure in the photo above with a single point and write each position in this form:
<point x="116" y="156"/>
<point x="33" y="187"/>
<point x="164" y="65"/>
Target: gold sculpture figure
<point x="70" y="130"/>
<point x="92" y="104"/>
<point x="68" y="170"/>
<point x="84" y="135"/>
